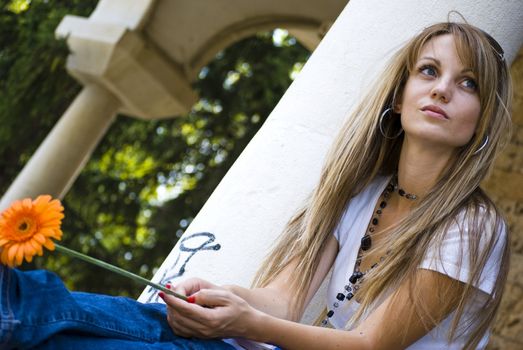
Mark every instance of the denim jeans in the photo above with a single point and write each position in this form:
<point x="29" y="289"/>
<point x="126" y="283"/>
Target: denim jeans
<point x="37" y="311"/>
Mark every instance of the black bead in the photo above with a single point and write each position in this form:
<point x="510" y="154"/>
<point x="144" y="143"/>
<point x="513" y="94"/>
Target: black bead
<point x="348" y="288"/>
<point x="401" y="192"/>
<point x="330" y="313"/>
<point x="375" y="221"/>
<point x="340" y="296"/>
<point x="383" y="204"/>
<point x="355" y="277"/>
<point x="366" y="242"/>
<point x="379" y="212"/>
<point x="349" y="296"/>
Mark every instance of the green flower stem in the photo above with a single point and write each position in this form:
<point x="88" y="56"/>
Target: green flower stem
<point x="118" y="270"/>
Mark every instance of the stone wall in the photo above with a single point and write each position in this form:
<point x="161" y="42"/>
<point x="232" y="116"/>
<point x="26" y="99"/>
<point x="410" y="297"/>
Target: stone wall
<point x="506" y="188"/>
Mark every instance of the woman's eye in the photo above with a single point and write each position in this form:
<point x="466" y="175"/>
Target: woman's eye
<point x="428" y="70"/>
<point x="470" y="84"/>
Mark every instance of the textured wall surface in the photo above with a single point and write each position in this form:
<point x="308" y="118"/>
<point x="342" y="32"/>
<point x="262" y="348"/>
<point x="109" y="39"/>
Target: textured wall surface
<point x="506" y="188"/>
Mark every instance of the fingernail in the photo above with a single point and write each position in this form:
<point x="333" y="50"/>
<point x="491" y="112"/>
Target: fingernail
<point x="161" y="294"/>
<point x="168" y="286"/>
<point x="191" y="299"/>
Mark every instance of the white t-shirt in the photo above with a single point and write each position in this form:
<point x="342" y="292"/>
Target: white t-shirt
<point x="350" y="230"/>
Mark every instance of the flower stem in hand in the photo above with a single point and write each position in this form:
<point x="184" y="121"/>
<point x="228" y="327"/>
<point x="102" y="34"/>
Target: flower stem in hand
<point x="117" y="270"/>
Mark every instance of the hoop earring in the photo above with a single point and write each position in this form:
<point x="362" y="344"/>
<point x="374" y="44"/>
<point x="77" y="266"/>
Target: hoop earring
<point x="483" y="145"/>
<point x="382" y="116"/>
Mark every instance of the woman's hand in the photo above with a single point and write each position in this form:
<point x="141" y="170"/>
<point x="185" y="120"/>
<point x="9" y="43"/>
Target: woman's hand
<point x="191" y="286"/>
<point x="215" y="313"/>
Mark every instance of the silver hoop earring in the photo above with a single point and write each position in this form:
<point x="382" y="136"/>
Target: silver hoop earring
<point x="382" y="116"/>
<point x="483" y="145"/>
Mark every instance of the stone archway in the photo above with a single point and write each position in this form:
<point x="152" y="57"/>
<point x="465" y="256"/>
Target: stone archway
<point x="139" y="58"/>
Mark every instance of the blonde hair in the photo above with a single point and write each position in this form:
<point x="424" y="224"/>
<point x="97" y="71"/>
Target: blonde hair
<point x="360" y="153"/>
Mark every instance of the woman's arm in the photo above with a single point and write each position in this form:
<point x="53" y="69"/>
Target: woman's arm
<point x="395" y="324"/>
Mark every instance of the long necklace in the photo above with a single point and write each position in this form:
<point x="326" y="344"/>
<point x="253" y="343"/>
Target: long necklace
<point x="357" y="275"/>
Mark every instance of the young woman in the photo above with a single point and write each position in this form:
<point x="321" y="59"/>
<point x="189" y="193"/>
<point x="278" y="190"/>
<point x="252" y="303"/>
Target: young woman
<point x="419" y="252"/>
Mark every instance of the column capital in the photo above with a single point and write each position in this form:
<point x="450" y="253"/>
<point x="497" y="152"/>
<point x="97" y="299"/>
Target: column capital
<point x="111" y="55"/>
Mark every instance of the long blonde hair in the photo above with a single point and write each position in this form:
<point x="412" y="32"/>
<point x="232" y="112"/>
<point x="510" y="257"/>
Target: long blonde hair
<point x="360" y="153"/>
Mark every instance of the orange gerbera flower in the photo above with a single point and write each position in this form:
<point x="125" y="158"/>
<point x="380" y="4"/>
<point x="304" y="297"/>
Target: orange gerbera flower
<point x="28" y="225"/>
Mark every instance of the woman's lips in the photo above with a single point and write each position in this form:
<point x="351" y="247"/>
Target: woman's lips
<point x="434" y="112"/>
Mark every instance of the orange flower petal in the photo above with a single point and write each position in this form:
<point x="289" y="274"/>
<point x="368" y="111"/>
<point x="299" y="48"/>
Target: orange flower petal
<point x="37" y="247"/>
<point x="56" y="202"/>
<point x="51" y="212"/>
<point x="40" y="238"/>
<point x="49" y="244"/>
<point x="19" y="258"/>
<point x="46" y="231"/>
<point x="11" y="252"/>
<point x="41" y="203"/>
<point x="51" y="224"/>
<point x="43" y="199"/>
<point x="27" y="203"/>
<point x="17" y="206"/>
<point x="29" y="249"/>
<point x="3" y="257"/>
<point x="57" y="234"/>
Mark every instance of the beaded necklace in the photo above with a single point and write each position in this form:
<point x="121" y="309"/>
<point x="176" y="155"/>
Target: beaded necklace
<point x="357" y="275"/>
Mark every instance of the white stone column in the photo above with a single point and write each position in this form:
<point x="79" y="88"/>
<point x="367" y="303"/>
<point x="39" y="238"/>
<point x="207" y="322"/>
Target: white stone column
<point x="280" y="166"/>
<point x="62" y="155"/>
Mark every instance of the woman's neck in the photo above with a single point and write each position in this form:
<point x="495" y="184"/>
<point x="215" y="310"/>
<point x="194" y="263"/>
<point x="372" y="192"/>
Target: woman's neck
<point x="420" y="167"/>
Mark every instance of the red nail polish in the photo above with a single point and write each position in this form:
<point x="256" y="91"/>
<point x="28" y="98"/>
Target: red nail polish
<point x="191" y="299"/>
<point x="168" y="286"/>
<point x="161" y="294"/>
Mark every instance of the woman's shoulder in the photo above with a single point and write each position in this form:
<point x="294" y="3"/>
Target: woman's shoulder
<point x="479" y="217"/>
<point x="477" y="236"/>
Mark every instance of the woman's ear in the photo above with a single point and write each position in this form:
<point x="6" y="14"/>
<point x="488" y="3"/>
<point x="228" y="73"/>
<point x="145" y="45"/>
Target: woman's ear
<point x="398" y="102"/>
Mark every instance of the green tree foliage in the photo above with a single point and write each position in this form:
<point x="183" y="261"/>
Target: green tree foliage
<point x="147" y="179"/>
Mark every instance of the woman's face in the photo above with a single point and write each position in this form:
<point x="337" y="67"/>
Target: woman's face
<point x="440" y="103"/>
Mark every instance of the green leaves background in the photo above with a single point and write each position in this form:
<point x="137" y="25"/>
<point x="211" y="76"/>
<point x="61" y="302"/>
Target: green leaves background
<point x="147" y="179"/>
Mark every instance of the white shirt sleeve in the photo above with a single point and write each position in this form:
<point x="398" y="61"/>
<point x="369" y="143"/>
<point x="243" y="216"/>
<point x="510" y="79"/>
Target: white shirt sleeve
<point x="452" y="258"/>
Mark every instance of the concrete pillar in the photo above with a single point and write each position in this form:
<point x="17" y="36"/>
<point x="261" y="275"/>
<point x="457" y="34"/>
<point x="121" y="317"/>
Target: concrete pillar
<point x="280" y="166"/>
<point x="62" y="155"/>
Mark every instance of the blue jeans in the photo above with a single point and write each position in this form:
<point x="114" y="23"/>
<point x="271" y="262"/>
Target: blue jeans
<point x="37" y="311"/>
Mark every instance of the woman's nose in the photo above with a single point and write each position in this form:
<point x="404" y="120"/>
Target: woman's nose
<point x="442" y="90"/>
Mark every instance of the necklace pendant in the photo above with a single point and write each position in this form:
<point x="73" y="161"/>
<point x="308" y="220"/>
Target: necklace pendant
<point x="366" y="242"/>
